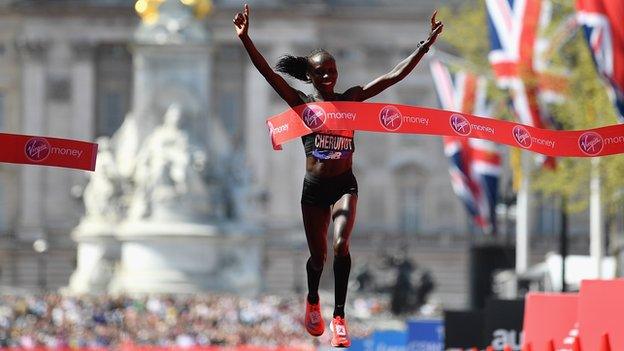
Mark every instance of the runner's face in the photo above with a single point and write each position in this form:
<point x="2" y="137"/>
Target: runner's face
<point x="323" y="72"/>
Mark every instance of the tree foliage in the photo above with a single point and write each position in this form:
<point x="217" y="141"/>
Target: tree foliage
<point x="585" y="105"/>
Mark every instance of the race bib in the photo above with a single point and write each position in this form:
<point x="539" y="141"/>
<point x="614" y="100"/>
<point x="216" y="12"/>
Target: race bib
<point x="333" y="146"/>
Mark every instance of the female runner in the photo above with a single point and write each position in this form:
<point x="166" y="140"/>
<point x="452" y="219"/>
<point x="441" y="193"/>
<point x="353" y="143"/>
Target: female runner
<point x="329" y="187"/>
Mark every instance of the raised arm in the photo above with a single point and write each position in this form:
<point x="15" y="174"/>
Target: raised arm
<point x="404" y="67"/>
<point x="285" y="91"/>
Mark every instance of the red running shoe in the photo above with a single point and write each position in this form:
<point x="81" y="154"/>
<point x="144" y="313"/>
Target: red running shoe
<point x="314" y="323"/>
<point x="340" y="334"/>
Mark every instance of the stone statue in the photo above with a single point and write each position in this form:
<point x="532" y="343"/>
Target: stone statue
<point x="102" y="192"/>
<point x="98" y="251"/>
<point x="125" y="143"/>
<point x="169" y="173"/>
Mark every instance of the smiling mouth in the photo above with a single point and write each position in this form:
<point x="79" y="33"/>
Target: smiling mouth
<point x="327" y="83"/>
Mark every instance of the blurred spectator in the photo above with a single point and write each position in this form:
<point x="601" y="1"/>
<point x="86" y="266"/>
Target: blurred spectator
<point x="411" y="288"/>
<point x="186" y="320"/>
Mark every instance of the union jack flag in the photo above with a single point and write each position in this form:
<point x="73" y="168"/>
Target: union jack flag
<point x="516" y="62"/>
<point x="603" y="24"/>
<point x="475" y="164"/>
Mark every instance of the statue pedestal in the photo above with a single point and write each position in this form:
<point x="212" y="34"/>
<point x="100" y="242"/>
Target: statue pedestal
<point x="97" y="254"/>
<point x="170" y="257"/>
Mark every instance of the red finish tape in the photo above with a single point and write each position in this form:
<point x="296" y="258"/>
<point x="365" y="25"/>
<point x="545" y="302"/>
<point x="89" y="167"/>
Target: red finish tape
<point x="44" y="151"/>
<point x="392" y="118"/>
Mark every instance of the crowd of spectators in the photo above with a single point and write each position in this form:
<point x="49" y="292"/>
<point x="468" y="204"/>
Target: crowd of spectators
<point x="59" y="321"/>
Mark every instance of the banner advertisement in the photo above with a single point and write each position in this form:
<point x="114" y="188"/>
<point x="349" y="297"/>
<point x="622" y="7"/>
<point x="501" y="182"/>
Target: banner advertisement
<point x="45" y="151"/>
<point x="393" y="118"/>
<point x="425" y="335"/>
<point x="549" y="316"/>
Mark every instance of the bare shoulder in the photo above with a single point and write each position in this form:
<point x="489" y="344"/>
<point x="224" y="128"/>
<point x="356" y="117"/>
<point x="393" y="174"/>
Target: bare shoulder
<point x="353" y="93"/>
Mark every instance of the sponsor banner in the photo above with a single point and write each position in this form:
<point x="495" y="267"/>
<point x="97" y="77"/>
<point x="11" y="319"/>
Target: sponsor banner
<point x="393" y="118"/>
<point x="549" y="316"/>
<point x="358" y="344"/>
<point x="601" y="311"/>
<point x="44" y="151"/>
<point x="425" y="335"/>
<point x="503" y="323"/>
<point x="389" y="340"/>
<point x="464" y="329"/>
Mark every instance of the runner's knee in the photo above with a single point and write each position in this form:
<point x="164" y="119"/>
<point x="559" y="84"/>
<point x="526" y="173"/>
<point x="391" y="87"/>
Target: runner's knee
<point x="341" y="247"/>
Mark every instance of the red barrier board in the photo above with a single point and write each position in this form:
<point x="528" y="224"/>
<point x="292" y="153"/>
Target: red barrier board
<point x="393" y="118"/>
<point x="601" y="310"/>
<point x="45" y="151"/>
<point x="549" y="316"/>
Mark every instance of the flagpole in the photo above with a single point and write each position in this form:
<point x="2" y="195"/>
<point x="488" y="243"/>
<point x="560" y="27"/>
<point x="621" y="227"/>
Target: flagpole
<point x="596" y="237"/>
<point x="522" y="216"/>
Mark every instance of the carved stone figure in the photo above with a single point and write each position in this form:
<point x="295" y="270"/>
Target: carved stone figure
<point x="168" y="175"/>
<point x="125" y="143"/>
<point x="102" y="192"/>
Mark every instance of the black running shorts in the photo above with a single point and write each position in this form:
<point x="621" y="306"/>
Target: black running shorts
<point x="324" y="192"/>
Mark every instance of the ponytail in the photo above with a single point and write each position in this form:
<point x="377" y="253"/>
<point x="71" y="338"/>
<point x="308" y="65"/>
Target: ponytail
<point x="294" y="66"/>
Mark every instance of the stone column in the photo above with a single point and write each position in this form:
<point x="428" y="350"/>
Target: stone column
<point x="281" y="171"/>
<point x="31" y="213"/>
<point x="83" y="97"/>
<point x="97" y="248"/>
<point x="256" y="109"/>
<point x="83" y="91"/>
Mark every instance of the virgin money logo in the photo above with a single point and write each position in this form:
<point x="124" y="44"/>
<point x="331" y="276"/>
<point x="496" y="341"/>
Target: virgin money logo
<point x="37" y="149"/>
<point x="460" y="124"/>
<point x="522" y="136"/>
<point x="591" y="143"/>
<point x="277" y="130"/>
<point x="390" y="118"/>
<point x="314" y="117"/>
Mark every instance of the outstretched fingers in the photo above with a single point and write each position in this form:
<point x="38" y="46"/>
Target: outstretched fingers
<point x="433" y="20"/>
<point x="241" y="21"/>
<point x="438" y="29"/>
<point x="246" y="14"/>
<point x="436" y="26"/>
<point x="238" y="20"/>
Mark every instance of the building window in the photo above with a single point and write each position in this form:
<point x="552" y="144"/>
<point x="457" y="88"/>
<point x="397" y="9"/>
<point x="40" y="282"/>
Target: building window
<point x="112" y="112"/>
<point x="410" y="182"/>
<point x="227" y="84"/>
<point x="231" y="114"/>
<point x="113" y="85"/>
<point x="58" y="88"/>
<point x="548" y="216"/>
<point x="411" y="210"/>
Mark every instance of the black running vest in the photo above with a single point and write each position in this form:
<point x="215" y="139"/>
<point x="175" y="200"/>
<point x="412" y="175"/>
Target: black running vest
<point x="328" y="145"/>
